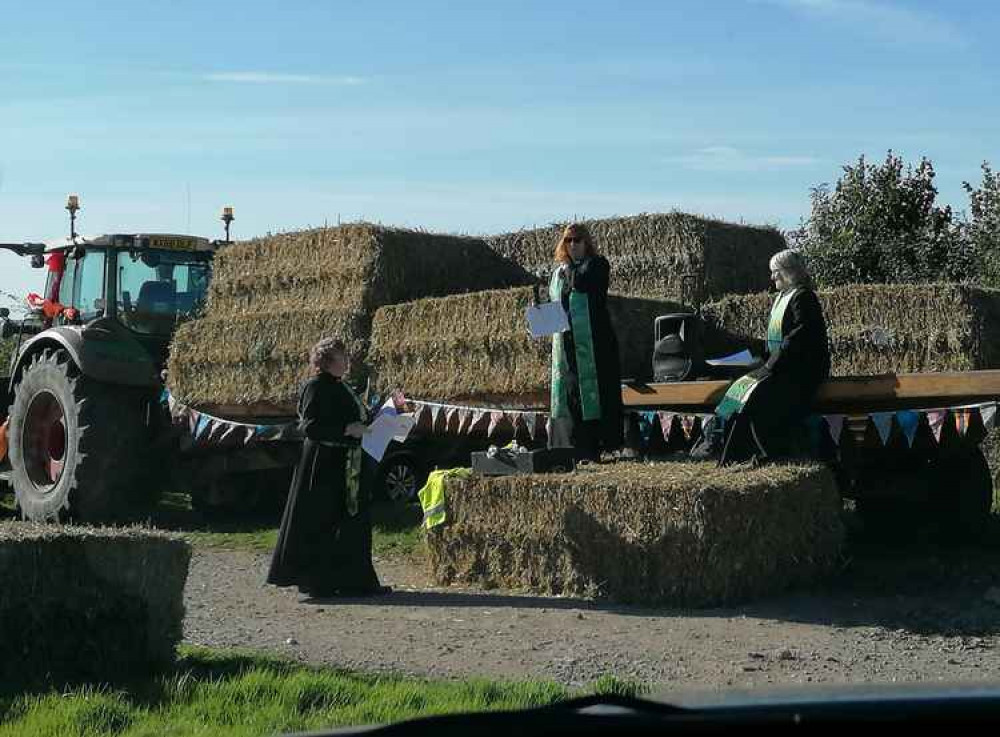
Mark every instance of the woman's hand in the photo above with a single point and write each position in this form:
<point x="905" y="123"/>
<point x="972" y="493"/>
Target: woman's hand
<point x="355" y="430"/>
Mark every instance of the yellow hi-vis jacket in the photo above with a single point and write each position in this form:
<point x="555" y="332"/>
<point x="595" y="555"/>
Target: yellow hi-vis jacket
<point x="432" y="495"/>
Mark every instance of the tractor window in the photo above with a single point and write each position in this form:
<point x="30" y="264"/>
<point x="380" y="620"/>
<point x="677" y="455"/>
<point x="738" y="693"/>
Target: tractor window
<point x="156" y="289"/>
<point x="66" y="285"/>
<point x="88" y="292"/>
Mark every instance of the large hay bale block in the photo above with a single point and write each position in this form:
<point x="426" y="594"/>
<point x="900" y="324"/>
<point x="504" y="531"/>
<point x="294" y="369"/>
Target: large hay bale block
<point x="672" y="534"/>
<point x="475" y="347"/>
<point x="88" y="603"/>
<point x="883" y="328"/>
<point x="272" y="298"/>
<point x="669" y="256"/>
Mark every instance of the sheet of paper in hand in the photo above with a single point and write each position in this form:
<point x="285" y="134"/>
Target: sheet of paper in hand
<point x="547" y="318"/>
<point x="387" y="426"/>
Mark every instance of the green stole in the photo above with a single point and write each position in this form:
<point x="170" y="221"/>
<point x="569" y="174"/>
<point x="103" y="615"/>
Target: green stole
<point x="586" y="362"/>
<point x="740" y="390"/>
<point x="354" y="458"/>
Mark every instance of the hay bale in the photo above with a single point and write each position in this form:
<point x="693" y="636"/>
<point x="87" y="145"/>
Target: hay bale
<point x="474" y="348"/>
<point x="882" y="328"/>
<point x="651" y="254"/>
<point x="687" y="534"/>
<point x="88" y="603"/>
<point x="272" y="298"/>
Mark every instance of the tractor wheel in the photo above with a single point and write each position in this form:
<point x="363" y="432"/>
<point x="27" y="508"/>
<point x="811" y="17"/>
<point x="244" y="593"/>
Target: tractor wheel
<point x="78" y="448"/>
<point x="963" y="492"/>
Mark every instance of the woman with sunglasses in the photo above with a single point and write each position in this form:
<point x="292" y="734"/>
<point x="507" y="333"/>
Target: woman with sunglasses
<point x="586" y="408"/>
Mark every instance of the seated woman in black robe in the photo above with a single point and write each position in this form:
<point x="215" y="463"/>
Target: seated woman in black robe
<point x="586" y="396"/>
<point x="325" y="541"/>
<point x="764" y="412"/>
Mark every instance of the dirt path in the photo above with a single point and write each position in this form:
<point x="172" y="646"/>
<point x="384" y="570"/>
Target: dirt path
<point x="894" y="616"/>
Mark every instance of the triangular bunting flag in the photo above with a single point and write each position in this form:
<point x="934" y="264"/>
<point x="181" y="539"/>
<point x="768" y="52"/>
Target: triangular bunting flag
<point x="249" y="436"/>
<point x="962" y="419"/>
<point x="883" y="423"/>
<point x="531" y="421"/>
<point x="988" y="412"/>
<point x="687" y="425"/>
<point x="477" y="418"/>
<point x="908" y="422"/>
<point x="450" y="415"/>
<point x="935" y="418"/>
<point x="836" y="424"/>
<point x="495" y="419"/>
<point x="666" y="424"/>
<point x="435" y="415"/>
<point x="646" y="420"/>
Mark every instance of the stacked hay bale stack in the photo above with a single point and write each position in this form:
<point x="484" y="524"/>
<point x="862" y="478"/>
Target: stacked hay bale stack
<point x="886" y="328"/>
<point x="662" y="255"/>
<point x="474" y="348"/>
<point x="271" y="298"/>
<point x="679" y="534"/>
<point x="94" y="604"/>
<point x="883" y="328"/>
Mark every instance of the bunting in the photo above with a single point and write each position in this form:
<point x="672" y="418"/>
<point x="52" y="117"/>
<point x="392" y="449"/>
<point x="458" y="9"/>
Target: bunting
<point x="836" y="425"/>
<point x="988" y="414"/>
<point x="450" y="416"/>
<point x="963" y="418"/>
<point x="935" y="419"/>
<point x="646" y="421"/>
<point x="908" y="422"/>
<point x="687" y="425"/>
<point x="883" y="423"/>
<point x="496" y="418"/>
<point x="666" y="424"/>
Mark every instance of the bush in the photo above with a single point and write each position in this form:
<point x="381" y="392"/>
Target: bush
<point x="881" y="224"/>
<point x="983" y="230"/>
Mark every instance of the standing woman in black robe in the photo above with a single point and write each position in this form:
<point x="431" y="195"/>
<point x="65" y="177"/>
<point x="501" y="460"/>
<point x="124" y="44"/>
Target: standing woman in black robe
<point x="765" y="411"/>
<point x="586" y="396"/>
<point x="325" y="541"/>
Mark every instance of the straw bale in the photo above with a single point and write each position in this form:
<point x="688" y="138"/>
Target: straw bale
<point x="882" y="328"/>
<point x="650" y="254"/>
<point x="272" y="298"/>
<point x="91" y="603"/>
<point x="679" y="534"/>
<point x="469" y="347"/>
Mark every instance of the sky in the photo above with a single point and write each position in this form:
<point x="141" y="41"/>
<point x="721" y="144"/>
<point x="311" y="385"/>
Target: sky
<point x="473" y="117"/>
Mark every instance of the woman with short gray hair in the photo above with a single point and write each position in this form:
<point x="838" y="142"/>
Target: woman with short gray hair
<point x="764" y="411"/>
<point x="325" y="541"/>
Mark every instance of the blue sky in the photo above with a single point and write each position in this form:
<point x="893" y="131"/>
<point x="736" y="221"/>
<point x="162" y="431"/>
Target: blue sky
<point x="473" y="117"/>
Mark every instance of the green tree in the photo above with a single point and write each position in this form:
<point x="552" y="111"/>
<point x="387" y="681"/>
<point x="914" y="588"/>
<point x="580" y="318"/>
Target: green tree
<point x="983" y="230"/>
<point x="881" y="224"/>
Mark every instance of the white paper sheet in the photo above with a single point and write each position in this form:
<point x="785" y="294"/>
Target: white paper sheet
<point x="387" y="426"/>
<point x="546" y="319"/>
<point x="743" y="358"/>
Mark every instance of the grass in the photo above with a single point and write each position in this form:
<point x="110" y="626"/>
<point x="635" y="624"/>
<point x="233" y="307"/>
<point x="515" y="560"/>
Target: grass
<point x="224" y="693"/>
<point x="396" y="529"/>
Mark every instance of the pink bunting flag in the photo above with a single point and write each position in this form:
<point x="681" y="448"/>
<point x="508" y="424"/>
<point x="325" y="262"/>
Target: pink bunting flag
<point x="836" y="425"/>
<point x="687" y="425"/>
<point x="936" y="418"/>
<point x="666" y="424"/>
<point x="495" y="419"/>
<point x="451" y="414"/>
<point x="477" y="418"/>
<point x="988" y="414"/>
<point x="883" y="423"/>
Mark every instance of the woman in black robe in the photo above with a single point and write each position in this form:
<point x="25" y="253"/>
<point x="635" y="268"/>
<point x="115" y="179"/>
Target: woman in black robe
<point x="325" y="541"/>
<point x="586" y="398"/>
<point x="767" y="420"/>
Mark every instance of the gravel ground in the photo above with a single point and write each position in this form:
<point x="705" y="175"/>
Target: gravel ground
<point x="891" y="616"/>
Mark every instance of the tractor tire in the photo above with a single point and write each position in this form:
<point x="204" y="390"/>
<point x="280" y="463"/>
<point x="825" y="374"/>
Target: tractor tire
<point x="79" y="448"/>
<point x="963" y="493"/>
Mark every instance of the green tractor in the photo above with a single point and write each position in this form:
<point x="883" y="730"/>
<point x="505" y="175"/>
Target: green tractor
<point x="80" y="412"/>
